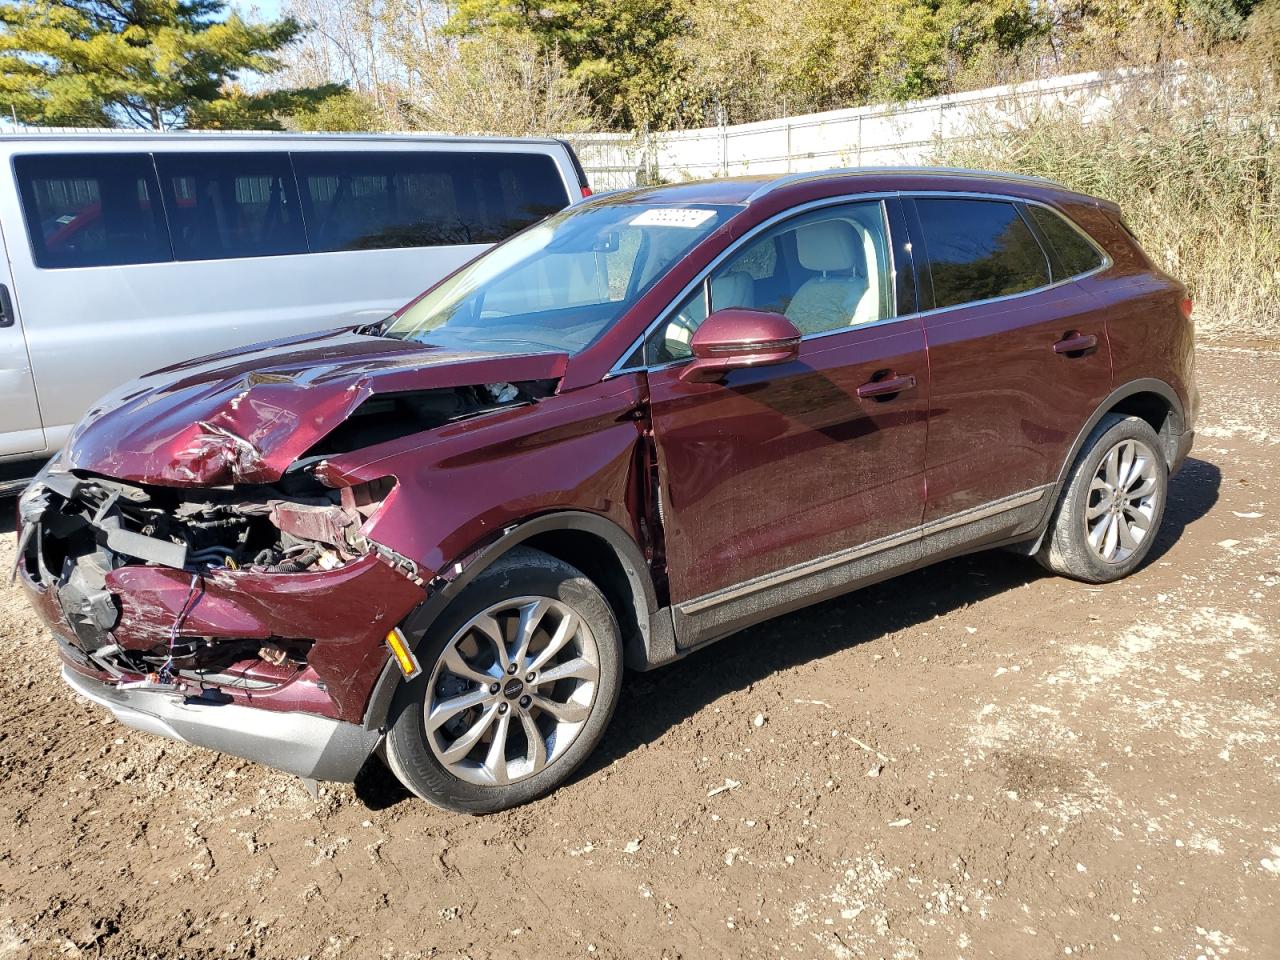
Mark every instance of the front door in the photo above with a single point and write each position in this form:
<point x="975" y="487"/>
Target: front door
<point x="1009" y="392"/>
<point x="20" y="428"/>
<point x="780" y="466"/>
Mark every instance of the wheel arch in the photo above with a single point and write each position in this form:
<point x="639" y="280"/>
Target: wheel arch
<point x="1150" y="399"/>
<point x="597" y="546"/>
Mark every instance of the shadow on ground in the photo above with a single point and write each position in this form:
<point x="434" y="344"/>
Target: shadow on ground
<point x="651" y="703"/>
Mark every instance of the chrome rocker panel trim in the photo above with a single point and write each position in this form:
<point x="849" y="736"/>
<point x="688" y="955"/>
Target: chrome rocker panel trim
<point x="708" y="618"/>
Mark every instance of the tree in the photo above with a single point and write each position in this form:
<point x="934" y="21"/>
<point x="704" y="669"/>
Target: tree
<point x="148" y="63"/>
<point x="756" y="59"/>
<point x="504" y="84"/>
<point x="346" y="112"/>
<point x="622" y="51"/>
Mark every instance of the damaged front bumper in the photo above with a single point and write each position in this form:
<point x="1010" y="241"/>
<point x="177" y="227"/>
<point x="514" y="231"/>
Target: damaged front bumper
<point x="249" y="622"/>
<point x="314" y="747"/>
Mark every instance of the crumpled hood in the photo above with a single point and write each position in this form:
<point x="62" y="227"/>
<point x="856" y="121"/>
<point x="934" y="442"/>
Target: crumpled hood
<point x="244" y="416"/>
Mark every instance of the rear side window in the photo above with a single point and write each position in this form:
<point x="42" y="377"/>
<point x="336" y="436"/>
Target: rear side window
<point x="376" y="200"/>
<point x="1075" y="254"/>
<point x="979" y="249"/>
<point x="226" y="205"/>
<point x="92" y="211"/>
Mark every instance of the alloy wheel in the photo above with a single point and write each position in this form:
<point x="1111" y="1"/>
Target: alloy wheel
<point x="1123" y="499"/>
<point x="511" y="690"/>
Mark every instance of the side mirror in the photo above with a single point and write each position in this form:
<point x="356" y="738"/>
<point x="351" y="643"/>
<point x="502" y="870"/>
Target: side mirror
<point x="736" y="337"/>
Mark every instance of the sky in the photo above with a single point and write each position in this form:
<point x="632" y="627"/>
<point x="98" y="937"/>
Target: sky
<point x="257" y="9"/>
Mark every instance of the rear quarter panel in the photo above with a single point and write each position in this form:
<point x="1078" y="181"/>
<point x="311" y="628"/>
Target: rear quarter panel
<point x="1149" y="336"/>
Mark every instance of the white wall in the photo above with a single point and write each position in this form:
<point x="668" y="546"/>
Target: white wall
<point x="876" y="135"/>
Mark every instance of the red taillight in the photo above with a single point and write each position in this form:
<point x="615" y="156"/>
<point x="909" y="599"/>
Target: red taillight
<point x="1186" y="307"/>
<point x="586" y="191"/>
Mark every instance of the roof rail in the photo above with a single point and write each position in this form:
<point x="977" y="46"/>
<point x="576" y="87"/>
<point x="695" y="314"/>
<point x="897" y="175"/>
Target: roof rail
<point x="792" y="178"/>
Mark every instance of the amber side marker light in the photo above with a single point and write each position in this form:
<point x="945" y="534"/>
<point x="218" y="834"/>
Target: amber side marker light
<point x="405" y="659"/>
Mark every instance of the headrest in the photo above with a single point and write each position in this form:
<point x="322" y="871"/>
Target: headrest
<point x="830" y="245"/>
<point x="732" y="289"/>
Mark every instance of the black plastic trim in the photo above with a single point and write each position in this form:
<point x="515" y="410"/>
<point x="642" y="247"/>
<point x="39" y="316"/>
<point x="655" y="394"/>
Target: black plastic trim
<point x="656" y="639"/>
<point x="1173" y="455"/>
<point x="7" y="317"/>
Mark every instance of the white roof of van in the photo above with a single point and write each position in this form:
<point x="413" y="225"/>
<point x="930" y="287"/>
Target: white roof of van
<point x="63" y="134"/>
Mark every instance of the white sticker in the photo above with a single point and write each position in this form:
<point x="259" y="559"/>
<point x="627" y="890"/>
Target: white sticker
<point x="672" y="217"/>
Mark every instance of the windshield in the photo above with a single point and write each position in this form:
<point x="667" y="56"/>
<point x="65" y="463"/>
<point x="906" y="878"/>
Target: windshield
<point x="558" y="285"/>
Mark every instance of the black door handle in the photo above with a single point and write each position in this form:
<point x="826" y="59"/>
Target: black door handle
<point x="6" y="307"/>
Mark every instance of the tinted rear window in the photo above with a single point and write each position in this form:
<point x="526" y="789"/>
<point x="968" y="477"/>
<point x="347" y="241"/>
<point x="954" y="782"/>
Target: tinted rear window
<point x="1075" y="254"/>
<point x="94" y="211"/>
<point x="979" y="249"/>
<point x="224" y="205"/>
<point x="368" y="201"/>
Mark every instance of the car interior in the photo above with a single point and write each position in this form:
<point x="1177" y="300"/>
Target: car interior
<point x="823" y="274"/>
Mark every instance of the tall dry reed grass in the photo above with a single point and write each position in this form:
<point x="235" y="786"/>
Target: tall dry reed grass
<point x="1192" y="154"/>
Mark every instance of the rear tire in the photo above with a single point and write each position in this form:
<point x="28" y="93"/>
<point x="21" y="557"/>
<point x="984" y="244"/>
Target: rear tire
<point x="1109" y="514"/>
<point x="520" y="676"/>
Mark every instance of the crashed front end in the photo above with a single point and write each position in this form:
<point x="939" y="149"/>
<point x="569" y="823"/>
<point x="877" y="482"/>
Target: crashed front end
<point x="208" y="560"/>
<point x="247" y="619"/>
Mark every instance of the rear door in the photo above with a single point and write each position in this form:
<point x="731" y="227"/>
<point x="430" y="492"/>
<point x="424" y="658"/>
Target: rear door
<point x="20" y="427"/>
<point x="785" y="465"/>
<point x="1018" y="357"/>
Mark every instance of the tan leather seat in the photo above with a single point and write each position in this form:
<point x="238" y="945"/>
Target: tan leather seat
<point x="733" y="289"/>
<point x="840" y="296"/>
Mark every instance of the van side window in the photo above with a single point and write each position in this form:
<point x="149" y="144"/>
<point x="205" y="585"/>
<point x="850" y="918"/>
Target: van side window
<point x="376" y="200"/>
<point x="979" y="249"/>
<point x="92" y="211"/>
<point x="227" y="205"/>
<point x="1076" y="255"/>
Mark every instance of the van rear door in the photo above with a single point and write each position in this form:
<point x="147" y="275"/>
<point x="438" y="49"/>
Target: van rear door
<point x="20" y="428"/>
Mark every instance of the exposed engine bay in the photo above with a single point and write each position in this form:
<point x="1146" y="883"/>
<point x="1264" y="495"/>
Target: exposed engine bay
<point x="80" y="528"/>
<point x="388" y="416"/>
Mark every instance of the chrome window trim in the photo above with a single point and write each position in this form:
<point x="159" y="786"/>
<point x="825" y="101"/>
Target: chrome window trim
<point x="1102" y="254"/>
<point x="735" y="248"/>
<point x="1107" y="263"/>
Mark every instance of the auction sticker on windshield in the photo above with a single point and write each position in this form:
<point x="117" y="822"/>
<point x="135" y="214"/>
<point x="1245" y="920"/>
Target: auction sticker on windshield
<point x="672" y="217"/>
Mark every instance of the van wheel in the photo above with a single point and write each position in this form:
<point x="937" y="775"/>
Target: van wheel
<point x="1110" y="512"/>
<point x="520" y="676"/>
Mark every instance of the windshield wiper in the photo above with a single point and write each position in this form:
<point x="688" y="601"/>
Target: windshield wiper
<point x="377" y="328"/>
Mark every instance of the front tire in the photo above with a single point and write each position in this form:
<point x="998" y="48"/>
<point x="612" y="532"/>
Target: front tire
<point x="520" y="676"/>
<point x="1109" y="514"/>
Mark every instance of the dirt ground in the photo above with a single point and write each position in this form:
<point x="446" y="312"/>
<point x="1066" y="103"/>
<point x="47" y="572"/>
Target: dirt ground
<point x="977" y="760"/>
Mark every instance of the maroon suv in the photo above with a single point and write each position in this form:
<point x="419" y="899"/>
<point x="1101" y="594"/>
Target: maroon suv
<point x="637" y="427"/>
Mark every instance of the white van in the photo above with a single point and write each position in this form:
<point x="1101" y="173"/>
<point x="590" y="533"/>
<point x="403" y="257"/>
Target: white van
<point x="128" y="252"/>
